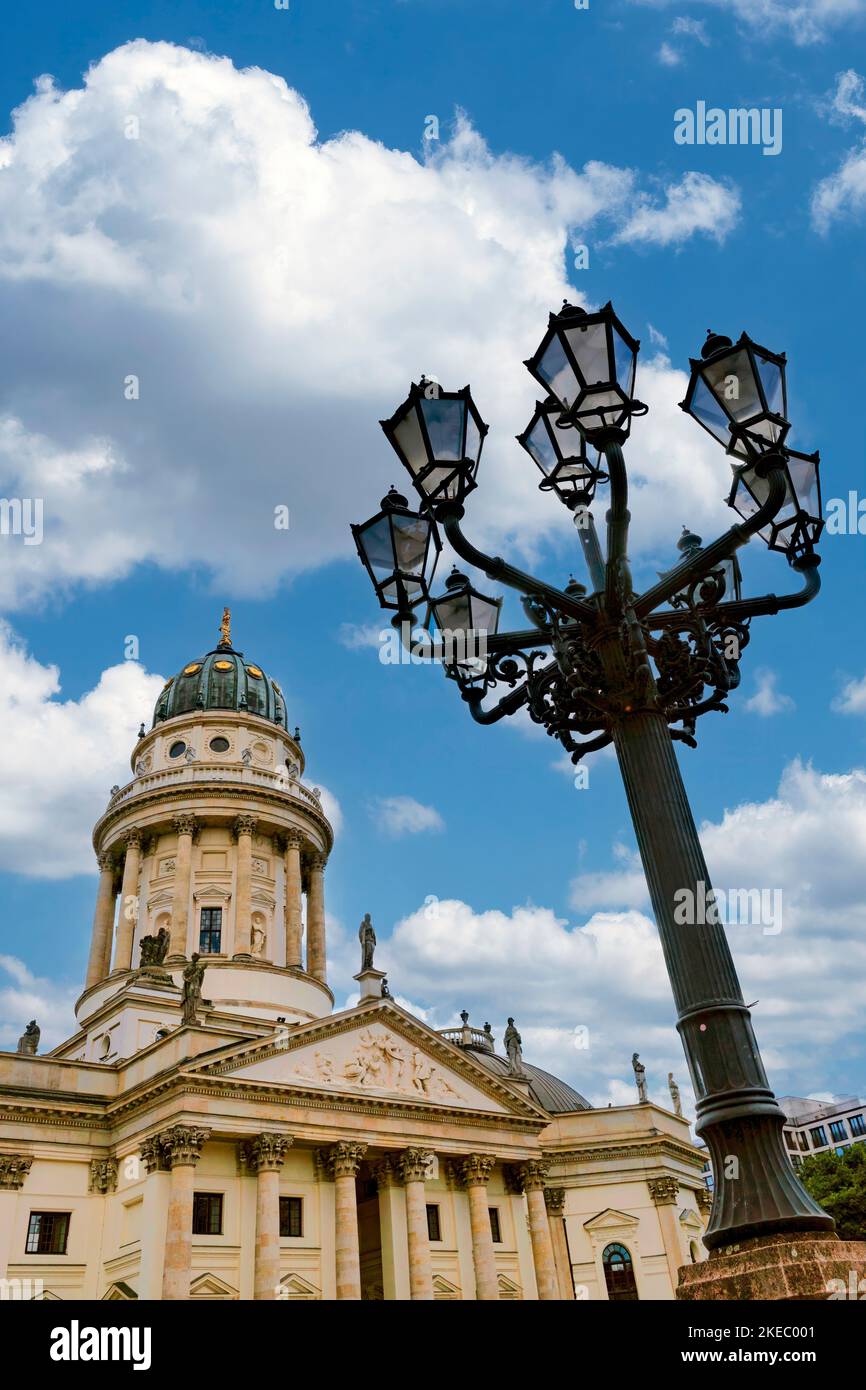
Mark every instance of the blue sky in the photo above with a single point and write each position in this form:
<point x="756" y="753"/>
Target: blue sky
<point x="275" y="273"/>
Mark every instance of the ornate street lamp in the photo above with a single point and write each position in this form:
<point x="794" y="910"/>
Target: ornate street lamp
<point x="639" y="670"/>
<point x="438" y="436"/>
<point x="559" y="450"/>
<point x="399" y="549"/>
<point x="466" y="620"/>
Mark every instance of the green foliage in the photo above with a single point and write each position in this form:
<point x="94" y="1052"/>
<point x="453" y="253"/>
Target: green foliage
<point x="838" y="1182"/>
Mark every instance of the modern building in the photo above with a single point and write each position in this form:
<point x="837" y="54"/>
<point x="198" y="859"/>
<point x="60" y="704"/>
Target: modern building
<point x="234" y="1137"/>
<point x="816" y="1126"/>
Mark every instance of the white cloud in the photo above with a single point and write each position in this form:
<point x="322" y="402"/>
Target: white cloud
<point x="59" y="758"/>
<point x="403" y="815"/>
<point x="668" y="56"/>
<point x="852" y="697"/>
<point x="357" y="637"/>
<point x="768" y="699"/>
<point x="692" y="29"/>
<point x="697" y="203"/>
<point x="657" y="338"/>
<point x="272" y="293"/>
<point x="843" y="193"/>
<point x="803" y="21"/>
<point x="24" y="995"/>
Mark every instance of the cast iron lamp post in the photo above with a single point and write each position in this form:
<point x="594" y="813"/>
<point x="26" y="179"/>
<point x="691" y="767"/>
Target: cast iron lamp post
<point x="638" y="670"/>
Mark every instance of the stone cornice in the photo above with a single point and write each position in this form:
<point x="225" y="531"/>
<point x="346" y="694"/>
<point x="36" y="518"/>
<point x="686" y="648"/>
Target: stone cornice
<point x="206" y="791"/>
<point x="557" y="1158"/>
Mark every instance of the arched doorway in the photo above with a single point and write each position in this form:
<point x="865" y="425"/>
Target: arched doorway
<point x="619" y="1274"/>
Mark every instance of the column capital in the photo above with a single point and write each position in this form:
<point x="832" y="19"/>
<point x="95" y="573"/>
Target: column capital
<point x="386" y="1173"/>
<point x="475" y="1170"/>
<point x="664" y="1191"/>
<point x="267" y="1152"/>
<point x="105" y="862"/>
<point x="103" y="1175"/>
<point x="316" y="861"/>
<point x="533" y="1174"/>
<point x="13" y="1170"/>
<point x="414" y="1164"/>
<point x="705" y="1199"/>
<point x="554" y="1198"/>
<point x="185" y="823"/>
<point x="343" y="1160"/>
<point x="133" y="838"/>
<point x="153" y="1155"/>
<point x="182" y="1144"/>
<point x="244" y="825"/>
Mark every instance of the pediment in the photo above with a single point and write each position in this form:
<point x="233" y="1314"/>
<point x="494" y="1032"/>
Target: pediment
<point x="119" y="1292"/>
<point x="690" y="1218"/>
<point x="211" y="1286"/>
<point x="293" y="1286"/>
<point x="508" y="1289"/>
<point x="379" y="1051"/>
<point x="446" y="1291"/>
<point x="212" y="890"/>
<point x="610" y="1219"/>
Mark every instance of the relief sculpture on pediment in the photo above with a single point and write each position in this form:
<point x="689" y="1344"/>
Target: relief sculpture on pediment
<point x="377" y="1060"/>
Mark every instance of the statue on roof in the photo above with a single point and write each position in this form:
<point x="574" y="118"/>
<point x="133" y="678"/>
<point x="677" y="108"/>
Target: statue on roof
<point x="513" y="1044"/>
<point x="675" y="1094"/>
<point x="154" y="949"/>
<point x="226" y="628"/>
<point x="28" y="1043"/>
<point x="191" y="1000"/>
<point x="639" y="1078"/>
<point x="367" y="938"/>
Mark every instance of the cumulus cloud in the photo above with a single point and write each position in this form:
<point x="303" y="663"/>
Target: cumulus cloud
<point x="803" y="21"/>
<point x="768" y="699"/>
<point x="24" y="995"/>
<point x="403" y="815"/>
<point x="697" y="203"/>
<point x="59" y="758"/>
<point x="852" y="697"/>
<point x="211" y="309"/>
<point x="843" y="193"/>
<point x="668" y="56"/>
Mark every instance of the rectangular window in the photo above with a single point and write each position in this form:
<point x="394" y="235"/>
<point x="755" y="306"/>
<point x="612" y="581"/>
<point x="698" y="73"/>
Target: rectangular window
<point x="291" y="1216"/>
<point x="790" y="1139"/>
<point x="210" y="931"/>
<point x="838" y="1130"/>
<point x="207" y="1214"/>
<point x="803" y="1141"/>
<point x="47" y="1233"/>
<point x="495" y="1230"/>
<point x="819" y="1137"/>
<point x="858" y="1128"/>
<point x="434" y="1231"/>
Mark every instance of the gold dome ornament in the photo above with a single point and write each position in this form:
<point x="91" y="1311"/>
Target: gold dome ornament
<point x="226" y="628"/>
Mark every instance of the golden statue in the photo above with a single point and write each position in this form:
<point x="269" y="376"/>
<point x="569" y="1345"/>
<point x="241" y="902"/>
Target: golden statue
<point x="226" y="628"/>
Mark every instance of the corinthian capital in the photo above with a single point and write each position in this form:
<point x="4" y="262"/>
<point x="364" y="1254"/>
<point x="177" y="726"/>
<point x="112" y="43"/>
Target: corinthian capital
<point x="153" y="1155"/>
<point x="554" y="1200"/>
<point x="533" y="1174"/>
<point x="244" y="825"/>
<point x="267" y="1152"/>
<point x="185" y="823"/>
<point x="13" y="1170"/>
<point x="182" y="1144"/>
<point x="476" y="1169"/>
<point x="414" y="1164"/>
<point x="106" y="863"/>
<point x="103" y="1175"/>
<point x="316" y="862"/>
<point x="344" y="1159"/>
<point x="663" y="1191"/>
<point x="133" y="838"/>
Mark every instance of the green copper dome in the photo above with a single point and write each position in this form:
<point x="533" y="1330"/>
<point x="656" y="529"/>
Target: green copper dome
<point x="223" y="679"/>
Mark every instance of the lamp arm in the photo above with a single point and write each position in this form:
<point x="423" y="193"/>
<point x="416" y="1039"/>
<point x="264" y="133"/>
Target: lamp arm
<point x="722" y="549"/>
<point x="509" y="704"/>
<point x="449" y="515"/>
<point x="579" y="747"/>
<point x="752" y="607"/>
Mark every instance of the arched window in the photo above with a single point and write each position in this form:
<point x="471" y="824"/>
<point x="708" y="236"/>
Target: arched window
<point x="619" y="1273"/>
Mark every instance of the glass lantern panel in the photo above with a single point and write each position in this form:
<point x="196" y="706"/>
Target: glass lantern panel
<point x="454" y="613"/>
<point x="411" y="536"/>
<point x="473" y="438"/>
<point x="444" y="421"/>
<point x="391" y="591"/>
<point x="732" y="382"/>
<point x="378" y="545"/>
<point x="485" y="616"/>
<point x="432" y="483"/>
<point x="706" y="408"/>
<point x="625" y="363"/>
<point x="540" y="445"/>
<point x="557" y="373"/>
<point x="589" y="346"/>
<point x="804" y="476"/>
<point x="771" y="380"/>
<point x="572" y="468"/>
<point x="410" y="440"/>
<point x="600" y="408"/>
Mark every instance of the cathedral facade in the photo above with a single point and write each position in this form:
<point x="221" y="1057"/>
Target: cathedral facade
<point x="214" y="1130"/>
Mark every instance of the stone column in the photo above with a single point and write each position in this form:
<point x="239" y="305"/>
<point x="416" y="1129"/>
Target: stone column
<point x="664" y="1192"/>
<point x="154" y="1216"/>
<point x="103" y="923"/>
<point x="182" y="1146"/>
<point x="475" y="1172"/>
<point x="244" y="829"/>
<point x="414" y="1168"/>
<point x="532" y="1175"/>
<point x="294" y="924"/>
<point x="343" y="1162"/>
<point x="128" y="902"/>
<point x="392" y="1230"/>
<point x="265" y="1156"/>
<point x="13" y="1170"/>
<point x="185" y="825"/>
<point x="554" y="1199"/>
<point x="316" y="917"/>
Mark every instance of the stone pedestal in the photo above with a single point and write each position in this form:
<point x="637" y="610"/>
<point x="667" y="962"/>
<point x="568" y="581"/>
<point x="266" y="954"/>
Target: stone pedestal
<point x="811" y="1265"/>
<point x="370" y="983"/>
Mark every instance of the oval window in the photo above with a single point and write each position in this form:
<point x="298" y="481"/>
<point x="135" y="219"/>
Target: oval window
<point x="177" y="749"/>
<point x="219" y="745"/>
<point x="224" y="666"/>
<point x="254" y="671"/>
<point x="192" y="668"/>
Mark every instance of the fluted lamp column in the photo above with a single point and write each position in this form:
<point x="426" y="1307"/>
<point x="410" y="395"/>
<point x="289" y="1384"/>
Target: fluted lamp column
<point x="128" y="902"/>
<point x="265" y="1156"/>
<point x="414" y="1168"/>
<point x="316" y="962"/>
<point x="103" y="923"/>
<point x="244" y="829"/>
<point x="293" y="914"/>
<point x="187" y="829"/>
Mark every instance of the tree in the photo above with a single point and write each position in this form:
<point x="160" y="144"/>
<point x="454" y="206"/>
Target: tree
<point x="838" y="1182"/>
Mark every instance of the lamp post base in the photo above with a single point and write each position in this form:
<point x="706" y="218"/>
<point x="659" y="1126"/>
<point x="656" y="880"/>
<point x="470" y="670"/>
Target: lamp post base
<point x="788" y="1267"/>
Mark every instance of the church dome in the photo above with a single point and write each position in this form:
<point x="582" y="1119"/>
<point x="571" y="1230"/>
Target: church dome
<point x="222" y="680"/>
